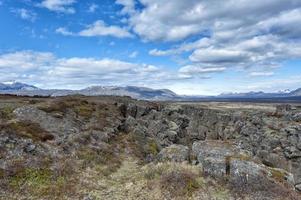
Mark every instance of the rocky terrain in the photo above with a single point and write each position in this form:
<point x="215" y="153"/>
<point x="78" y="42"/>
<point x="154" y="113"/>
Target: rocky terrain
<point x="88" y="148"/>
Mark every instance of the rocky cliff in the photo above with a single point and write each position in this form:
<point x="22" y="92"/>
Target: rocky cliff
<point x="111" y="148"/>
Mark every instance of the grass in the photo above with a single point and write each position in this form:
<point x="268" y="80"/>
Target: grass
<point x="278" y="175"/>
<point x="50" y="179"/>
<point x="36" y="178"/>
<point x="104" y="160"/>
<point x="41" y="183"/>
<point x="180" y="183"/>
<point x="175" y="178"/>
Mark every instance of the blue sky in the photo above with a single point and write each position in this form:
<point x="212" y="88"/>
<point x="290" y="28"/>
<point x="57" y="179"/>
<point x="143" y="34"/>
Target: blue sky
<point x="191" y="47"/>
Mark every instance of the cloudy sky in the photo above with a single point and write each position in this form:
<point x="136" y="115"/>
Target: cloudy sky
<point x="189" y="46"/>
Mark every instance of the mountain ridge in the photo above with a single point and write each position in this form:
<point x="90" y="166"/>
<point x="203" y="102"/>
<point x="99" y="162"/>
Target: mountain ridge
<point x="144" y="93"/>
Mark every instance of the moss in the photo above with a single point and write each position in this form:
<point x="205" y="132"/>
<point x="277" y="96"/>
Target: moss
<point x="6" y="112"/>
<point x="153" y="147"/>
<point x="2" y="173"/>
<point x="277" y="174"/>
<point x="29" y="130"/>
<point x="243" y="157"/>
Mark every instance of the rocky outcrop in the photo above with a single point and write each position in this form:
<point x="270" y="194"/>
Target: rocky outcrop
<point x="175" y="153"/>
<point x="223" y="160"/>
<point x="59" y="126"/>
<point x="270" y="138"/>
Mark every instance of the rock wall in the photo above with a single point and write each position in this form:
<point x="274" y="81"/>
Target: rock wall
<point x="268" y="139"/>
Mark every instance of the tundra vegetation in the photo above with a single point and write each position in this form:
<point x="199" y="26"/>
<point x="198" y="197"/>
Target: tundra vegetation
<point x="106" y="147"/>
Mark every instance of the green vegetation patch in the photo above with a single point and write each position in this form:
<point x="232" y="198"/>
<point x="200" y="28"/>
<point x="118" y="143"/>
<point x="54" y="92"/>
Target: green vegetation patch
<point x="153" y="147"/>
<point x="6" y="112"/>
<point x="41" y="183"/>
<point x="278" y="174"/>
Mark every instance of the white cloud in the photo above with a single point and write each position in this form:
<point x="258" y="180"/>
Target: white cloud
<point x="63" y="31"/>
<point x="92" y="8"/>
<point x="195" y="70"/>
<point x="24" y="61"/>
<point x="134" y="54"/>
<point x="62" y="6"/>
<point x="234" y="33"/>
<point x="218" y="56"/>
<point x="177" y="19"/>
<point x="150" y="68"/>
<point x="92" y="66"/>
<point x="77" y="72"/>
<point x="261" y="73"/>
<point x="185" y="47"/>
<point x="99" y="28"/>
<point x="25" y="14"/>
<point x="128" y="6"/>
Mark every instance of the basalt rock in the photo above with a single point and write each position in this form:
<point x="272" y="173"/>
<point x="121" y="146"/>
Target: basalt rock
<point x="175" y="153"/>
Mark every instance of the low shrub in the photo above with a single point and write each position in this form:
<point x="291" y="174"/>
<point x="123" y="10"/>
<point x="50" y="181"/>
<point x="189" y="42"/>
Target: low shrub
<point x="179" y="183"/>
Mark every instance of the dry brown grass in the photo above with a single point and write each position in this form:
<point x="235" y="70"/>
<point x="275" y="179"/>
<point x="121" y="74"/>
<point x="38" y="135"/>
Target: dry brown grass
<point x="27" y="129"/>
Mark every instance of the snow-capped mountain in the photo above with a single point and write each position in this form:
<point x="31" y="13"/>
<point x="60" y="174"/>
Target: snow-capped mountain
<point x="13" y="86"/>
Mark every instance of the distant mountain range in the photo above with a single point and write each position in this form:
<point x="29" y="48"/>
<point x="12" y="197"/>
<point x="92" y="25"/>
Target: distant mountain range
<point x="17" y="88"/>
<point x="285" y="93"/>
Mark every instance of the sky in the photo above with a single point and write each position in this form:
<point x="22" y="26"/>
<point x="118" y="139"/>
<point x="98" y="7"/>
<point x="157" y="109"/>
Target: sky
<point x="193" y="47"/>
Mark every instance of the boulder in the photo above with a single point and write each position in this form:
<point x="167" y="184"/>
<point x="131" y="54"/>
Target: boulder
<point x="197" y="131"/>
<point x="283" y="108"/>
<point x="222" y="160"/>
<point x="129" y="124"/>
<point x="174" y="153"/>
<point x="292" y="152"/>
<point x="298" y="187"/>
<point x="61" y="127"/>
<point x="297" y="117"/>
<point x="29" y="148"/>
<point x="204" y="149"/>
<point x="272" y="159"/>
